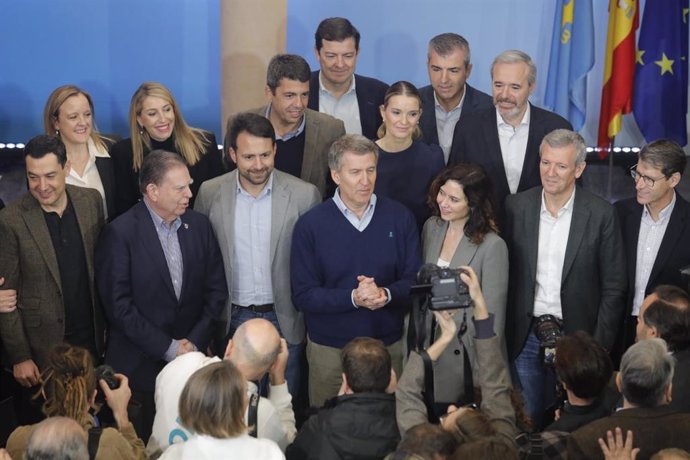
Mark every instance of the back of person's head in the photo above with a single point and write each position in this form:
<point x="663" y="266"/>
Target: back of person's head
<point x="255" y="347"/>
<point x="671" y="454"/>
<point x="366" y="365"/>
<point x="68" y="382"/>
<point x="646" y="373"/>
<point x="426" y="441"/>
<point x="214" y="400"/>
<point x="582" y="364"/>
<point x="57" y="438"/>
<point x="288" y="66"/>
<point x="671" y="321"/>
<point x="489" y="448"/>
<point x="335" y="30"/>
<point x="666" y="155"/>
<point x="44" y="144"/>
<point x="470" y="425"/>
<point x="672" y="294"/>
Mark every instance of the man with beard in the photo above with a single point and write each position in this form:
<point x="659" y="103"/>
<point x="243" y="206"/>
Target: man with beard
<point x="505" y="140"/>
<point x="253" y="210"/>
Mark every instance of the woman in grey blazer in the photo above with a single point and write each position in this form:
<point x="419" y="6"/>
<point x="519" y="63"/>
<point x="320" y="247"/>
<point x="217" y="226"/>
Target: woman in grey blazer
<point x="463" y="231"/>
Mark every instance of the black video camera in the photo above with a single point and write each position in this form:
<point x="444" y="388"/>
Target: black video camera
<point x="447" y="291"/>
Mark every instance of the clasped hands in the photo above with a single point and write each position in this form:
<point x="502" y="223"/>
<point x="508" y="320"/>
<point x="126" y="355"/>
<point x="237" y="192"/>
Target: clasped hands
<point x="368" y="294"/>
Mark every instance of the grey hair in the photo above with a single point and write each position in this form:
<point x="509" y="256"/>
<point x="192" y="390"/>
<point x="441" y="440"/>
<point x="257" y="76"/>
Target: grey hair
<point x="57" y="437"/>
<point x="353" y="143"/>
<point x="559" y="138"/>
<point x="646" y="372"/>
<point x="444" y="44"/>
<point x="513" y="56"/>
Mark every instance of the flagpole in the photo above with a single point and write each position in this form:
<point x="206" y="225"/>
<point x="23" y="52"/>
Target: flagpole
<point x="609" y="191"/>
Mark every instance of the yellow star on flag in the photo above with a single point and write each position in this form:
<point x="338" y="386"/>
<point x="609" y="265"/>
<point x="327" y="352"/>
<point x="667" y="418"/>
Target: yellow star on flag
<point x="665" y="64"/>
<point x="639" y="57"/>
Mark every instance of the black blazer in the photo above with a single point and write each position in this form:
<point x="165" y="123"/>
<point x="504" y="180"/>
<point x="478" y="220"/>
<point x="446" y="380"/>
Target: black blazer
<point x="593" y="281"/>
<point x="370" y="94"/>
<point x="475" y="140"/>
<point x="674" y="252"/>
<point x="104" y="165"/>
<point x="474" y="100"/>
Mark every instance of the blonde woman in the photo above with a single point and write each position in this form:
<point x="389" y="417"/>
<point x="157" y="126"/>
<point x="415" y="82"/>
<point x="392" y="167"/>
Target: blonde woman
<point x="155" y="122"/>
<point x="69" y="114"/>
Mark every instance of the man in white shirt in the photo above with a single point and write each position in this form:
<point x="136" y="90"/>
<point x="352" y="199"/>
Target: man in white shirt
<point x="255" y="349"/>
<point x="656" y="228"/>
<point x="505" y="140"/>
<point x="336" y="89"/>
<point x="566" y="261"/>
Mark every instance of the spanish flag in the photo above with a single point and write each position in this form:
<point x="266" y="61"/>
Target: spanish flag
<point x="619" y="69"/>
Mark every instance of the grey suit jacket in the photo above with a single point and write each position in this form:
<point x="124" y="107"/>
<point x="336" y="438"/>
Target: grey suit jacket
<point x="29" y="265"/>
<point x="290" y="198"/>
<point x="320" y="131"/>
<point x="594" y="279"/>
<point x="490" y="261"/>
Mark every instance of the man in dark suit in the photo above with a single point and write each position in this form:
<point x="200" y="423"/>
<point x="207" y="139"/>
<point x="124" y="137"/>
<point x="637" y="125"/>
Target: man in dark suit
<point x="645" y="381"/>
<point x="336" y="89"/>
<point x="253" y="211"/>
<point x="448" y="95"/>
<point x="48" y="238"/>
<point x="656" y="227"/>
<point x="160" y="276"/>
<point x="566" y="261"/>
<point x="303" y="136"/>
<point x="505" y="139"/>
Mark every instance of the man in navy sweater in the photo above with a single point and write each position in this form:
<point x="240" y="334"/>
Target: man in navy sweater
<point x="354" y="258"/>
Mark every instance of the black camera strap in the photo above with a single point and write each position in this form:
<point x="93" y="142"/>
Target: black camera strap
<point x="94" y="440"/>
<point x="252" y="414"/>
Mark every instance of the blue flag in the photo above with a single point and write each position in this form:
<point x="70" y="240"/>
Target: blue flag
<point x="660" y="101"/>
<point x="572" y="57"/>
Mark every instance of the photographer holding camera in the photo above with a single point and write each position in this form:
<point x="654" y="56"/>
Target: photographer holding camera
<point x="69" y="388"/>
<point x="462" y="232"/>
<point x="497" y="416"/>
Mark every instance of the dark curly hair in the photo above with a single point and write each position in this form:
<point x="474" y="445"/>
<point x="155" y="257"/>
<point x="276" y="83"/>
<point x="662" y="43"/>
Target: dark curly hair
<point x="477" y="188"/>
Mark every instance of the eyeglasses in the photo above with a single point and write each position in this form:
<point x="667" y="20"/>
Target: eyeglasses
<point x="648" y="181"/>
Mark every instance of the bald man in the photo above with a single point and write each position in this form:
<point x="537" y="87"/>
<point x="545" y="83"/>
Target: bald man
<point x="54" y="437"/>
<point x="255" y="349"/>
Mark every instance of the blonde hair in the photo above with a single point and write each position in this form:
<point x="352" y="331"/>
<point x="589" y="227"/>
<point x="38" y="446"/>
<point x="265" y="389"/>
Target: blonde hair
<point x="68" y="383"/>
<point x="189" y="142"/>
<point x="51" y="112"/>
<point x="401" y="88"/>
<point x="214" y="400"/>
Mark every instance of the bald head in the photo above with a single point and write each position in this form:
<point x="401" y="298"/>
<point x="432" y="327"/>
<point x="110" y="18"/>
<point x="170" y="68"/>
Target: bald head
<point x="254" y="347"/>
<point x="57" y="437"/>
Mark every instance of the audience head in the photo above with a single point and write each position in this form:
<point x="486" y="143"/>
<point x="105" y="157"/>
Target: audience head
<point x="671" y="454"/>
<point x="660" y="165"/>
<point x="513" y="78"/>
<point x="57" y="438"/>
<point x="666" y="314"/>
<point x="214" y="400"/>
<point x="401" y="109"/>
<point x="287" y="89"/>
<point x="164" y="181"/>
<point x="646" y="373"/>
<point x="562" y="161"/>
<point x="251" y="143"/>
<point x="366" y="365"/>
<point x="336" y="48"/>
<point x="463" y="192"/>
<point x="467" y="424"/>
<point x="69" y="114"/>
<point x="448" y="63"/>
<point x="426" y="442"/>
<point x="154" y="114"/>
<point x="69" y="383"/>
<point x="490" y="448"/>
<point x="254" y="348"/>
<point x="352" y="159"/>
<point x="582" y="365"/>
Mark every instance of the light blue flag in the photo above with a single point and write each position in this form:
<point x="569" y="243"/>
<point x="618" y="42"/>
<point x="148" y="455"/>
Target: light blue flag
<point x="572" y="57"/>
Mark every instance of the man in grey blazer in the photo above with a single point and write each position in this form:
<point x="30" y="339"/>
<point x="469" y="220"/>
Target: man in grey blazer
<point x="303" y="136"/>
<point x="253" y="210"/>
<point x="48" y="238"/>
<point x="448" y="95"/>
<point x="566" y="260"/>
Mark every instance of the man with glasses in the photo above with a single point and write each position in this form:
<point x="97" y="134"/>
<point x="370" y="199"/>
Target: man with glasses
<point x="656" y="228"/>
